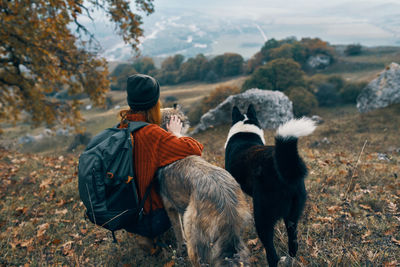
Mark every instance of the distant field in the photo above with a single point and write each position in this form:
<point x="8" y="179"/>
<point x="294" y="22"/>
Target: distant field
<point x="365" y="66"/>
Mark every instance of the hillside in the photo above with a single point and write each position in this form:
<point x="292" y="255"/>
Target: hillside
<point x="351" y="218"/>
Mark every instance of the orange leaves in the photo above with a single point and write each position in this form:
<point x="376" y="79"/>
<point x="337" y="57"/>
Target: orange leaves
<point x="169" y="264"/>
<point x="397" y="242"/>
<point x="334" y="209"/>
<point x="46" y="183"/>
<point x="42" y="43"/>
<point x="366" y="207"/>
<point x="42" y="230"/>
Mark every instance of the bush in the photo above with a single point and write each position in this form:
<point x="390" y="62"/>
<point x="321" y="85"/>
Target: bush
<point x="350" y="91"/>
<point x="211" y="77"/>
<point x="278" y="75"/>
<point x="120" y="75"/>
<point x="353" y="50"/>
<point x="303" y="101"/>
<point x="328" y="95"/>
<point x="326" y="89"/>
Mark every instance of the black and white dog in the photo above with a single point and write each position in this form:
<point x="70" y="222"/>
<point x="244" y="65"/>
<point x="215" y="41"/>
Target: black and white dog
<point x="272" y="175"/>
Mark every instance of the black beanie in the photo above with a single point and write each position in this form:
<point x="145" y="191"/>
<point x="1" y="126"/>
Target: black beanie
<point x="143" y="92"/>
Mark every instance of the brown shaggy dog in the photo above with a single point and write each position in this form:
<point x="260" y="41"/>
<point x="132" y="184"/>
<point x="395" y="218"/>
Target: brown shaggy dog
<point x="212" y="207"/>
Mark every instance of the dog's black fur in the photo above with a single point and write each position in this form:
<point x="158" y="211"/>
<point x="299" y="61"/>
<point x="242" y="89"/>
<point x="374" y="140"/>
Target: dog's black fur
<point x="272" y="175"/>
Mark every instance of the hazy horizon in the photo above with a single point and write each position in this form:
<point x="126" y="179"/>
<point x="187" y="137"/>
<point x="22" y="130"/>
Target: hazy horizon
<point x="243" y="26"/>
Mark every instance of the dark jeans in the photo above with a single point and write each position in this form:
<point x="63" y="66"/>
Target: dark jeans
<point x="153" y="224"/>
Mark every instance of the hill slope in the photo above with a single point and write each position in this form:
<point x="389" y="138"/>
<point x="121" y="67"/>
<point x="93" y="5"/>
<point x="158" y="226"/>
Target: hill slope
<point x="351" y="217"/>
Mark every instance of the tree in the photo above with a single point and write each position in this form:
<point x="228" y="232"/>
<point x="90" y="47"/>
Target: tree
<point x="44" y="49"/>
<point x="172" y="63"/>
<point x="144" y="65"/>
<point x="279" y="74"/>
<point x="233" y="64"/>
<point x="120" y="75"/>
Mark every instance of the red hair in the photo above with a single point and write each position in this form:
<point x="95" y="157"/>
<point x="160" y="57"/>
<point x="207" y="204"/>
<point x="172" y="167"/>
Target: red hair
<point x="153" y="114"/>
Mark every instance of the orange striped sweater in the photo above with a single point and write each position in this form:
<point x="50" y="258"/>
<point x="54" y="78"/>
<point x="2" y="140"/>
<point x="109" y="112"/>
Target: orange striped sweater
<point x="154" y="148"/>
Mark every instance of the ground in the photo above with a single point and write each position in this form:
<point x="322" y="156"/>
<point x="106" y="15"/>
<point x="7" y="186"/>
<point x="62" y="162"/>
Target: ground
<point x="352" y="215"/>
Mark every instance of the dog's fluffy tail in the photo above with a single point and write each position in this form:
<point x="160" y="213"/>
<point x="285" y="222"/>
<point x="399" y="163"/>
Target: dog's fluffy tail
<point x="289" y="163"/>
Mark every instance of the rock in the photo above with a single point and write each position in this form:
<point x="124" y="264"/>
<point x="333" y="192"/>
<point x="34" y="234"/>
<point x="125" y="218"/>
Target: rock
<point x="63" y="131"/>
<point x="383" y="156"/>
<point x="318" y="61"/>
<point x="382" y="91"/>
<point x="273" y="108"/>
<point x="26" y="139"/>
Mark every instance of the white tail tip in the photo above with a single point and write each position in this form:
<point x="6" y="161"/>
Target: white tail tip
<point x="296" y="128"/>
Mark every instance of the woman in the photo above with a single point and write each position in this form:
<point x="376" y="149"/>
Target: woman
<point x="153" y="148"/>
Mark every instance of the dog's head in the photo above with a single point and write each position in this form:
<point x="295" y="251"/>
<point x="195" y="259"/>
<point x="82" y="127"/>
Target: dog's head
<point x="249" y="118"/>
<point x="245" y="123"/>
<point x="167" y="113"/>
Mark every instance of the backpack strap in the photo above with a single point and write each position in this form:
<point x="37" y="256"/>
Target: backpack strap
<point x="146" y="194"/>
<point x="136" y="125"/>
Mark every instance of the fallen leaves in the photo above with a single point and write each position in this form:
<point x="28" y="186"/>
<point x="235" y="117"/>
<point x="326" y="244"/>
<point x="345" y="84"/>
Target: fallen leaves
<point x="42" y="230"/>
<point x="397" y="242"/>
<point x="169" y="264"/>
<point x="366" y="207"/>
<point x="46" y="183"/>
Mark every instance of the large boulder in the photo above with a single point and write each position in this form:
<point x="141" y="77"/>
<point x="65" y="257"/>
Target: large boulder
<point x="382" y="91"/>
<point x="273" y="108"/>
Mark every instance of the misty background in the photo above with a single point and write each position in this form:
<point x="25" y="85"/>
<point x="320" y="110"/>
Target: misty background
<point x="216" y="27"/>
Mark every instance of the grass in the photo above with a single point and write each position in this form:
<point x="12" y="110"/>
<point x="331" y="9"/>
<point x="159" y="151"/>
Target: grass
<point x="366" y="66"/>
<point x="352" y="215"/>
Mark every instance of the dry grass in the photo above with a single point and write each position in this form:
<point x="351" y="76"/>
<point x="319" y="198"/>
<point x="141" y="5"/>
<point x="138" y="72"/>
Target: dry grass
<point x="352" y="216"/>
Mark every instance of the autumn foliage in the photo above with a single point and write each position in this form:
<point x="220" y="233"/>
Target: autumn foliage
<point x="45" y="49"/>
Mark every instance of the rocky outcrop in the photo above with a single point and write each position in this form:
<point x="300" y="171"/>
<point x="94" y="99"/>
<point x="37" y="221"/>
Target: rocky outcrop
<point x="319" y="61"/>
<point x="273" y="108"/>
<point x="382" y="91"/>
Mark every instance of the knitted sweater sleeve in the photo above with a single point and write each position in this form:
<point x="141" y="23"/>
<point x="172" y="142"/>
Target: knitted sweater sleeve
<point x="171" y="148"/>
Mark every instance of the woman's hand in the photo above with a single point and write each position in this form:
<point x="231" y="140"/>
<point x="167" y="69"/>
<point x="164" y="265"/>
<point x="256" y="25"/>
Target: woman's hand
<point x="175" y="126"/>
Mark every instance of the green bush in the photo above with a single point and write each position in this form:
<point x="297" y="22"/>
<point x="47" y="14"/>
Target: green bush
<point x="277" y="75"/>
<point x="120" y="75"/>
<point x="353" y="50"/>
<point x="350" y="91"/>
<point x="304" y="102"/>
<point x="326" y="89"/>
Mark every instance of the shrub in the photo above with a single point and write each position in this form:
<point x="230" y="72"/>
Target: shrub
<point x="326" y="89"/>
<point x="120" y="75"/>
<point x="350" y="91"/>
<point x="327" y="95"/>
<point x="278" y="75"/>
<point x="353" y="50"/>
<point x="211" y="77"/>
<point x="303" y="101"/>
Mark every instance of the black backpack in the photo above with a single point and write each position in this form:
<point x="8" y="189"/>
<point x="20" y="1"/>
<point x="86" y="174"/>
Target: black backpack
<point x="107" y="180"/>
